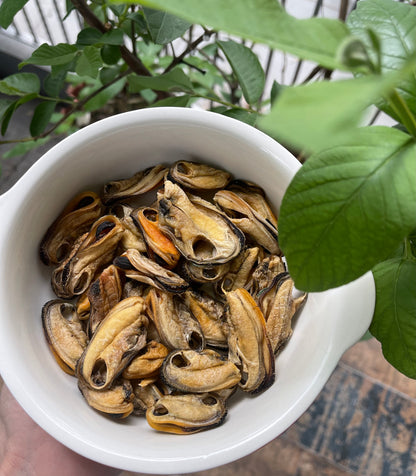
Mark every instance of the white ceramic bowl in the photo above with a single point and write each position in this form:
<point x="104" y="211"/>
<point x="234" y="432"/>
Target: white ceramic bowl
<point x="116" y="148"/>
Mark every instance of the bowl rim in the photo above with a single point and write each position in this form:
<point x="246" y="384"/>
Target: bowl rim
<point x="130" y="119"/>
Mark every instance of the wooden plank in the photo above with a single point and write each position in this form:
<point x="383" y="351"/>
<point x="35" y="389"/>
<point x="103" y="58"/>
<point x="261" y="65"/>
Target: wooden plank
<point x="367" y="357"/>
<point x="360" y="425"/>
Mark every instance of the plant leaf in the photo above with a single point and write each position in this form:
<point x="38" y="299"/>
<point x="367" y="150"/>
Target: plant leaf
<point x="89" y="62"/>
<point x="349" y="207"/>
<point x="246" y="67"/>
<point x="8" y="10"/>
<point x="316" y="115"/>
<point x="41" y="117"/>
<point x="394" y="321"/>
<point x="88" y="36"/>
<point x="7" y="115"/>
<point x="174" y="101"/>
<point x="104" y="96"/>
<point x="47" y="55"/>
<point x="263" y="21"/>
<point x="24" y="147"/>
<point x="242" y="115"/>
<point x="20" y="84"/>
<point x="395" y="26"/>
<point x="5" y="103"/>
<point x="175" y="80"/>
<point x="164" y="27"/>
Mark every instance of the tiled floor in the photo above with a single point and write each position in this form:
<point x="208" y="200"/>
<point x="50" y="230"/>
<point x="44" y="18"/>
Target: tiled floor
<point x="362" y="423"/>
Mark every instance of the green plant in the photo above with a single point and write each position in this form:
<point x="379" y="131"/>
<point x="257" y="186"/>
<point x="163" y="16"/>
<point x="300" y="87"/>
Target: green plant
<point x="352" y="206"/>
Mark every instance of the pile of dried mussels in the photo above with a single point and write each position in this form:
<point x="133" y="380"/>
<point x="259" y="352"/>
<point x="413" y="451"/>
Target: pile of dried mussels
<point x="167" y="309"/>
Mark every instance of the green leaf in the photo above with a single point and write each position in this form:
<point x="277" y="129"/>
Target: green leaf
<point x="8" y="10"/>
<point x="163" y="27"/>
<point x="53" y="83"/>
<point x="348" y="208"/>
<point x="263" y="21"/>
<point x="89" y="63"/>
<point x="102" y="98"/>
<point x="89" y="36"/>
<point x="175" y="80"/>
<point x="5" y="103"/>
<point x="395" y="26"/>
<point x="110" y="54"/>
<point x="113" y="37"/>
<point x="246" y="67"/>
<point x="47" y="55"/>
<point x="241" y="115"/>
<point x="316" y="115"/>
<point x="41" y="117"/>
<point x="11" y="108"/>
<point x="174" y="101"/>
<point x="23" y="147"/>
<point x="7" y="115"/>
<point x="92" y="36"/>
<point x="394" y="321"/>
<point x="20" y="84"/>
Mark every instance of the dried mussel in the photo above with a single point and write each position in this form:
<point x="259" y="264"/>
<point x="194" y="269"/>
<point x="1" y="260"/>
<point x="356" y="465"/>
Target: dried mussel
<point x="117" y="401"/>
<point x="64" y="332"/>
<point x="185" y="414"/>
<point x="118" y="339"/>
<point x="257" y="227"/>
<point x="198" y="372"/>
<point x="198" y="176"/>
<point x="139" y="184"/>
<point x="158" y="245"/>
<point x="140" y="268"/>
<point x="249" y="344"/>
<point x="176" y="326"/>
<point x="202" y="233"/>
<point x="74" y="220"/>
<point x="172" y="295"/>
<point x="95" y="251"/>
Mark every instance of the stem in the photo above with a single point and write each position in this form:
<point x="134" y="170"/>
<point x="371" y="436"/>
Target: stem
<point x="131" y="60"/>
<point x="191" y="46"/>
<point x="48" y="98"/>
<point x="403" y="112"/>
<point x="223" y="102"/>
<point x="75" y="107"/>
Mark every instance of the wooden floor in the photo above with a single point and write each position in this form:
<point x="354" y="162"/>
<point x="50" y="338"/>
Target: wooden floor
<point x="362" y="423"/>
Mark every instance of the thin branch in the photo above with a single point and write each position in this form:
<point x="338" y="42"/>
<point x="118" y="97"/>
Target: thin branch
<point x="191" y="46"/>
<point x="131" y="60"/>
<point x="77" y="106"/>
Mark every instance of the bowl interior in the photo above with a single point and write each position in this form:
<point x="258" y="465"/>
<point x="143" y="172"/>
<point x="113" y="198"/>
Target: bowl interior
<point x="116" y="148"/>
